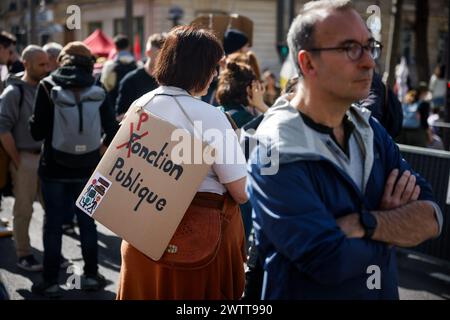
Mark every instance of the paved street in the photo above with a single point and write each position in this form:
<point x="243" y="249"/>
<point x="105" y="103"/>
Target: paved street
<point x="18" y="282"/>
<point x="420" y="279"/>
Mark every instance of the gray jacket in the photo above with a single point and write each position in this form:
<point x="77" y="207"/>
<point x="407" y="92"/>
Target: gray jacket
<point x="14" y="117"/>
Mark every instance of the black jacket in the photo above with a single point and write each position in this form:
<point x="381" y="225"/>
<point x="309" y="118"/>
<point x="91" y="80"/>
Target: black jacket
<point x="386" y="109"/>
<point x="132" y="87"/>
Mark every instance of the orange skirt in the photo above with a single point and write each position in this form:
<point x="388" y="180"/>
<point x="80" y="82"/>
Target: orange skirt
<point x="142" y="278"/>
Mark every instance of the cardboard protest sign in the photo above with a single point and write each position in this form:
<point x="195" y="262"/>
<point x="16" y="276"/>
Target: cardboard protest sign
<point x="140" y="190"/>
<point x="219" y="23"/>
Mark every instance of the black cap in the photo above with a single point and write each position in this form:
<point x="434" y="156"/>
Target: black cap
<point x="233" y="40"/>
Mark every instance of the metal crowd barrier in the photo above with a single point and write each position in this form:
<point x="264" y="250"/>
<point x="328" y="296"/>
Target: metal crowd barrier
<point x="434" y="166"/>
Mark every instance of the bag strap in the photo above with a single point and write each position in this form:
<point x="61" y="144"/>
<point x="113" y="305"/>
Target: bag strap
<point x="76" y="93"/>
<point x="179" y="106"/>
<point x="21" y="93"/>
<point x="47" y="82"/>
<point x="232" y="123"/>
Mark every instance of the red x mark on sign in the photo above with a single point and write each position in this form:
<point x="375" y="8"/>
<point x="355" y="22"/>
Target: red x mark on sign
<point x="143" y="117"/>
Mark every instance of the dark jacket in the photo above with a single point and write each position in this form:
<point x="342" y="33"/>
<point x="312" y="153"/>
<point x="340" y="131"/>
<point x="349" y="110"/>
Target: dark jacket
<point x="239" y="114"/>
<point x="305" y="253"/>
<point x="41" y="123"/>
<point x="386" y="109"/>
<point x="132" y="87"/>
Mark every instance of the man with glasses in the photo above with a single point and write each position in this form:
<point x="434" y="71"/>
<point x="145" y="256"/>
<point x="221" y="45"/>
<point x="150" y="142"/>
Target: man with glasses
<point x="328" y="221"/>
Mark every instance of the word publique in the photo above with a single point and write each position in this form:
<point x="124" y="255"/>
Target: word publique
<point x="131" y="180"/>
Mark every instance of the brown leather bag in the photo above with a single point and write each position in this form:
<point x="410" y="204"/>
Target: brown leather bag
<point x="197" y="239"/>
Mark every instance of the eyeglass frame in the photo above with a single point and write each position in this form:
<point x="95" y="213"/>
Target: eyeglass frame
<point x="375" y="43"/>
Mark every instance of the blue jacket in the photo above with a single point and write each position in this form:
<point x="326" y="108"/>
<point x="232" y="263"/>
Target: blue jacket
<point x="305" y="254"/>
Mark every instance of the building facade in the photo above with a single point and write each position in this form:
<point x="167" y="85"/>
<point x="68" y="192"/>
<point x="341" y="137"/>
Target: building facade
<point x="271" y="20"/>
<point x="150" y="16"/>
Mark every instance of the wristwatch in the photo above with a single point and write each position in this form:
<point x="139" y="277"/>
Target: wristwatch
<point x="368" y="222"/>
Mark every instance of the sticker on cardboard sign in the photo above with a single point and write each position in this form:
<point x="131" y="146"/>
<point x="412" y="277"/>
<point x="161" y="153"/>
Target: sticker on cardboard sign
<point x="94" y="194"/>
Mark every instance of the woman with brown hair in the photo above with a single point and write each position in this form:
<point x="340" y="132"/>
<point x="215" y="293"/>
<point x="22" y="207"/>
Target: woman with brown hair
<point x="239" y="93"/>
<point x="248" y="58"/>
<point x="184" y="69"/>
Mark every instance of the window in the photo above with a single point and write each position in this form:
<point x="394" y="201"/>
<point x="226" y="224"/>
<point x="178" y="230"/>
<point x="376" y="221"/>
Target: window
<point x="138" y="25"/>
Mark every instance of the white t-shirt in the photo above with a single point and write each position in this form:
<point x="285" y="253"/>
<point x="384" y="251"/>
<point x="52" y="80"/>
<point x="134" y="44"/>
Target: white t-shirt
<point x="230" y="162"/>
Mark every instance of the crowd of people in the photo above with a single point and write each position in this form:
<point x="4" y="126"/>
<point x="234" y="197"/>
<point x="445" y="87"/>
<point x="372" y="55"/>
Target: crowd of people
<point x="341" y="199"/>
<point x="423" y="108"/>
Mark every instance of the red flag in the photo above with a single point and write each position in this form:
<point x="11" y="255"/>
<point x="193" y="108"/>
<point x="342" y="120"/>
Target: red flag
<point x="137" y="47"/>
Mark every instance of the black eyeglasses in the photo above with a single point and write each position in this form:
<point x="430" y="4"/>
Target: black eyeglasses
<point x="355" y="49"/>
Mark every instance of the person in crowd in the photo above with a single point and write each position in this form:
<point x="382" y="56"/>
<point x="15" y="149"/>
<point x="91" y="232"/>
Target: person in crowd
<point x="234" y="41"/>
<point x="15" y="64"/>
<point x="238" y="89"/>
<point x="53" y="50"/>
<point x="254" y="274"/>
<point x="402" y="79"/>
<point x="63" y="175"/>
<point x="141" y="80"/>
<point x="436" y="115"/>
<point x="115" y="70"/>
<point x="438" y="86"/>
<point x="339" y="197"/>
<point x="416" y="110"/>
<point x="16" y="107"/>
<point x="184" y="69"/>
<point x="385" y="106"/>
<point x="7" y="40"/>
<point x="248" y="58"/>
<point x="273" y="91"/>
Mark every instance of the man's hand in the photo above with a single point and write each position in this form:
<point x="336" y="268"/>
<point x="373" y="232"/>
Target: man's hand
<point x="395" y="195"/>
<point x="398" y="194"/>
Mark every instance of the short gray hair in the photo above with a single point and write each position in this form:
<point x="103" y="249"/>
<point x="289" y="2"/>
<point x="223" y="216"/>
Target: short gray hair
<point x="301" y="32"/>
<point x="30" y="51"/>
<point x="53" y="49"/>
<point x="156" y="40"/>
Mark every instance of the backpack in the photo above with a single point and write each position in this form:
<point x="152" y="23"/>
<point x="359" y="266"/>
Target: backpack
<point x="77" y="128"/>
<point x="411" y="117"/>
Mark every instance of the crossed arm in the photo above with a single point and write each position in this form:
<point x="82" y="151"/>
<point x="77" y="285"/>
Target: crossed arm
<point x="402" y="219"/>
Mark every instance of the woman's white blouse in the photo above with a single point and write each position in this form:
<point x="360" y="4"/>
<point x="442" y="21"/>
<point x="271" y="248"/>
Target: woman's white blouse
<point x="230" y="164"/>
